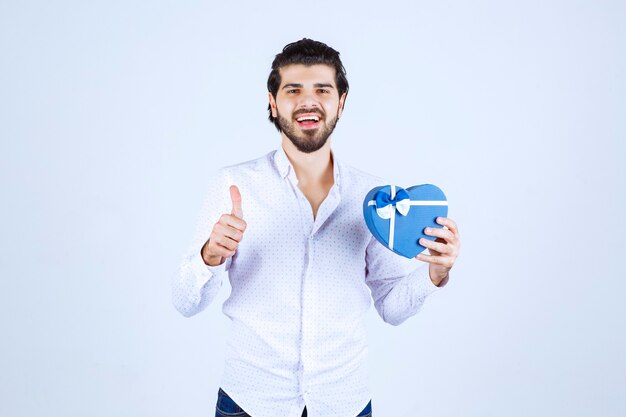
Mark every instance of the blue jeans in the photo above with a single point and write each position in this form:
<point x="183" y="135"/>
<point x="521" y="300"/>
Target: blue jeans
<point x="226" y="407"/>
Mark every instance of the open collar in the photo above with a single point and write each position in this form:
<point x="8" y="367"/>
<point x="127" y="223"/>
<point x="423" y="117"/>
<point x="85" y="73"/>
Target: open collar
<point x="284" y="167"/>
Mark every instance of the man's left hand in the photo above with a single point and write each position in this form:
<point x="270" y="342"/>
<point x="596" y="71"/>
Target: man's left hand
<point x="443" y="251"/>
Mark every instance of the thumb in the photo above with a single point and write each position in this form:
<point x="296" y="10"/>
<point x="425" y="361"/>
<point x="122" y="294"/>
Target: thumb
<point x="235" y="197"/>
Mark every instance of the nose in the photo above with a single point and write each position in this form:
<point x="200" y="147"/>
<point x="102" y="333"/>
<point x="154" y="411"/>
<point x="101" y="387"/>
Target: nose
<point x="308" y="100"/>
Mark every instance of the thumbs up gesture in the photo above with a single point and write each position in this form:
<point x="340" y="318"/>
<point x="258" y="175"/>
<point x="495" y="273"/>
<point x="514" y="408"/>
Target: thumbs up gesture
<point x="226" y="234"/>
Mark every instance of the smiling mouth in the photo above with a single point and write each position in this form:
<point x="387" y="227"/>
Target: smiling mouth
<point x="308" y="120"/>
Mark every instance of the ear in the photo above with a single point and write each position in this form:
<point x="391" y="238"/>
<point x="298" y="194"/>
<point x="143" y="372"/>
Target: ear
<point x="272" y="104"/>
<point x="341" y="103"/>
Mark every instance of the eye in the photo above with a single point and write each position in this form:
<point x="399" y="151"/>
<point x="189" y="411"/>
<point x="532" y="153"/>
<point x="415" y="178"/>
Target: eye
<point x="292" y="91"/>
<point x="323" y="90"/>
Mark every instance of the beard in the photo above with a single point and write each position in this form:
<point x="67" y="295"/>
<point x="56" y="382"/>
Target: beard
<point x="309" y="140"/>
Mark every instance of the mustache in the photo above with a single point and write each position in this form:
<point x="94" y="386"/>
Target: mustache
<point x="317" y="111"/>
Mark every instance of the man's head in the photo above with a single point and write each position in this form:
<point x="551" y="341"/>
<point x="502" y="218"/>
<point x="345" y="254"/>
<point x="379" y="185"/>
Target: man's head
<point x="307" y="79"/>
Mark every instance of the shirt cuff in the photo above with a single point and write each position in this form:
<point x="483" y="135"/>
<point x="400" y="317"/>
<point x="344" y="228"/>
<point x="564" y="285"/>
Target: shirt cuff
<point x="204" y="272"/>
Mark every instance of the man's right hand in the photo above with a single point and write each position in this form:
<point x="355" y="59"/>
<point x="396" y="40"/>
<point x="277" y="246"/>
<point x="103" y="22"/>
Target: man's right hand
<point x="226" y="234"/>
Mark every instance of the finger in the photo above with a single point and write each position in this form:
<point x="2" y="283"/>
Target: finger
<point x="218" y="250"/>
<point x="215" y="249"/>
<point x="439" y="247"/>
<point x="224" y="241"/>
<point x="437" y="260"/>
<point x="229" y="232"/>
<point x="439" y="232"/>
<point x="235" y="197"/>
<point x="449" y="223"/>
<point x="233" y="221"/>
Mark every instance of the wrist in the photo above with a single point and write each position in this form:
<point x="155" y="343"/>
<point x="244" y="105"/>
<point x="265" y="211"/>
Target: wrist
<point x="437" y="278"/>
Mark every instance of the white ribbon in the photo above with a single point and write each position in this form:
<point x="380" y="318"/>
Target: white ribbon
<point x="403" y="206"/>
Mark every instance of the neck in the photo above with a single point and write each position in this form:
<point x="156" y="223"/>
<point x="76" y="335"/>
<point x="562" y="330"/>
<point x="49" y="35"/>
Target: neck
<point x="311" y="168"/>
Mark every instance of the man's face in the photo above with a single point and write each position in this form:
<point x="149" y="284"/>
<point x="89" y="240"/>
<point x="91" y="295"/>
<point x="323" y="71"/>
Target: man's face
<point x="307" y="105"/>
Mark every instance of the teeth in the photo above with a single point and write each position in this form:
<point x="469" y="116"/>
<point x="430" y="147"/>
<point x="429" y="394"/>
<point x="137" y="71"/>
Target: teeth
<point x="314" y="118"/>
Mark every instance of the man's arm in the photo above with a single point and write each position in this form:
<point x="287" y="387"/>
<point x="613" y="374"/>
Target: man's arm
<point x="399" y="285"/>
<point x="197" y="283"/>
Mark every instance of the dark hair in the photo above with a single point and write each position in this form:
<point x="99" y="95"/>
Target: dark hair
<point x="307" y="52"/>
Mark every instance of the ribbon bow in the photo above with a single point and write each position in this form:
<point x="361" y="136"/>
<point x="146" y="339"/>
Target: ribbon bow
<point x="386" y="205"/>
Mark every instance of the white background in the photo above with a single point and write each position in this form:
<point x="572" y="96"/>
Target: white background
<point x="113" y="115"/>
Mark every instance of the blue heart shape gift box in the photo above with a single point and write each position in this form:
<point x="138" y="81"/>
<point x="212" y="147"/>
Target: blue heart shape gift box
<point x="397" y="217"/>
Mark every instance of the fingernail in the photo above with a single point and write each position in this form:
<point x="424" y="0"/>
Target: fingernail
<point x="427" y="230"/>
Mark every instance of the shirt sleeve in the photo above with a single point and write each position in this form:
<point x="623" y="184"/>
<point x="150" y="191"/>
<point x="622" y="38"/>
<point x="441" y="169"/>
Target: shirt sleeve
<point x="399" y="285"/>
<point x="197" y="284"/>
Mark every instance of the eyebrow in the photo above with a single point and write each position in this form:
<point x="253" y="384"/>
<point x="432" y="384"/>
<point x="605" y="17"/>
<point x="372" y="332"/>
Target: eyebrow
<point x="316" y="85"/>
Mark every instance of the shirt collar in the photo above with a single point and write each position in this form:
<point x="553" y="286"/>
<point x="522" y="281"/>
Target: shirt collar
<point x="282" y="162"/>
<point x="284" y="165"/>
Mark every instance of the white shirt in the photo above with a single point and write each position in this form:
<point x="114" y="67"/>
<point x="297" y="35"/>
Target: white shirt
<point x="300" y="289"/>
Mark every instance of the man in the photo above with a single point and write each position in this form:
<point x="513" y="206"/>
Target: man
<point x="303" y="267"/>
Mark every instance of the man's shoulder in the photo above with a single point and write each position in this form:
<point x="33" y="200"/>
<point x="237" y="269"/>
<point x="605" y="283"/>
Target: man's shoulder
<point x="357" y="176"/>
<point x="251" y="166"/>
<point x="240" y="173"/>
<point x="256" y="163"/>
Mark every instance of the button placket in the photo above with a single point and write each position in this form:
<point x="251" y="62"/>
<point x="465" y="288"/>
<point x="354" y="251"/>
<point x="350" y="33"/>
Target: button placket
<point x="306" y="211"/>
